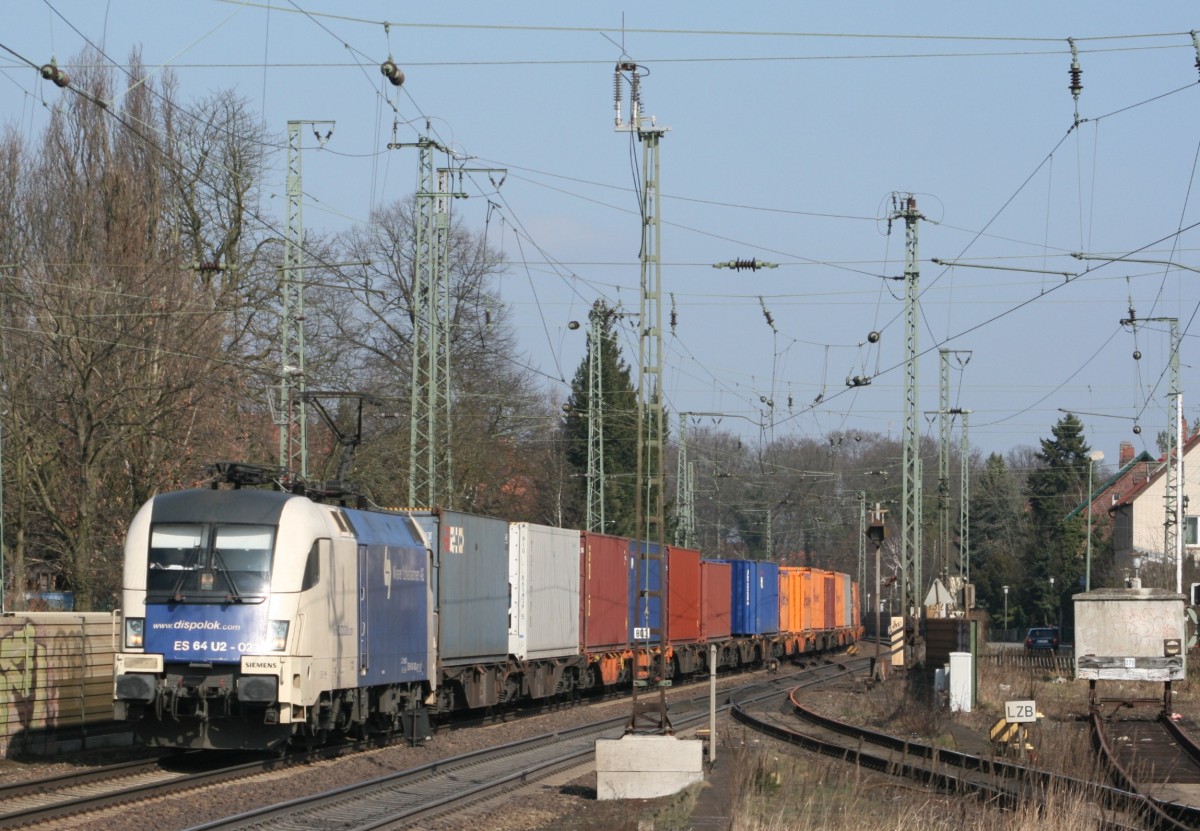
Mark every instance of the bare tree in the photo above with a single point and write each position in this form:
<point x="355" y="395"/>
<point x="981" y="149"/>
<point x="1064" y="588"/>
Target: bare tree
<point x="114" y="347"/>
<point x="496" y="408"/>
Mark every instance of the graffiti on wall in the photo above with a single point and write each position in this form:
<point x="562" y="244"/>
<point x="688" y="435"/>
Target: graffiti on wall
<point x="21" y="662"/>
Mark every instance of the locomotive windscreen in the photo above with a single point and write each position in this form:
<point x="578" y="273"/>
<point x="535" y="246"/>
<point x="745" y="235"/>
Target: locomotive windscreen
<point x="206" y="562"/>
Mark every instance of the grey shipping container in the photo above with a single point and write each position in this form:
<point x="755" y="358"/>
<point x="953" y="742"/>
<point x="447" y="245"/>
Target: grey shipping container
<point x="471" y="555"/>
<point x="543" y="572"/>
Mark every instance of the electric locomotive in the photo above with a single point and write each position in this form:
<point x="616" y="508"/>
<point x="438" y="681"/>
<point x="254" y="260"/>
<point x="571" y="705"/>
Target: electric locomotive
<point x="251" y="618"/>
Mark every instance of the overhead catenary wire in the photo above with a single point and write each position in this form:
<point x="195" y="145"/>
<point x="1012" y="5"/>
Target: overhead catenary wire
<point x="775" y="351"/>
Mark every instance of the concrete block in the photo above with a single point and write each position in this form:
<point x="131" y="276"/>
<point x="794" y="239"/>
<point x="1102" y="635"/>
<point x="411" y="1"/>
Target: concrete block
<point x="646" y="767"/>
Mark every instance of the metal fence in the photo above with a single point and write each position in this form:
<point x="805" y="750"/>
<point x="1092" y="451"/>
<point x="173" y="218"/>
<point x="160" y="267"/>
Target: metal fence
<point x="1063" y="661"/>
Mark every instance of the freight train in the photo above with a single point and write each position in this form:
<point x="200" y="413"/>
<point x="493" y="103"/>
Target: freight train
<point x="254" y="618"/>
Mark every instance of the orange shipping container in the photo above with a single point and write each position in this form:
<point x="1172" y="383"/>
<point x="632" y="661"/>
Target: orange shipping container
<point x="814" y="598"/>
<point x="791" y="599"/>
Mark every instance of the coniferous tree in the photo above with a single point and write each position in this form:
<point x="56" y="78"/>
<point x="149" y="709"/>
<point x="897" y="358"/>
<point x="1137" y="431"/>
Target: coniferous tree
<point x="619" y="406"/>
<point x="1055" y="560"/>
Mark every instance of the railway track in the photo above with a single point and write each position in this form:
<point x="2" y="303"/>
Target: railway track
<point x="456" y="784"/>
<point x="47" y="800"/>
<point x="998" y="781"/>
<point x="1155" y="759"/>
<point x="44" y="800"/>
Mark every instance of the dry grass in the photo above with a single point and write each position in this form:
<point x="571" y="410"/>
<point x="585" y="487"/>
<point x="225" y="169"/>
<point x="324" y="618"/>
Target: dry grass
<point x="780" y="790"/>
<point x="788" y="793"/>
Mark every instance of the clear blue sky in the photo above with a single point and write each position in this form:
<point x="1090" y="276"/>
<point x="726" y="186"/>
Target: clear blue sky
<point x="791" y="126"/>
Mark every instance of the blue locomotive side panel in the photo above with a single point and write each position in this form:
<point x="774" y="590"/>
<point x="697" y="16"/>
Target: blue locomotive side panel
<point x="218" y="634"/>
<point x="393" y="599"/>
<point x="472" y="585"/>
<point x="645" y="612"/>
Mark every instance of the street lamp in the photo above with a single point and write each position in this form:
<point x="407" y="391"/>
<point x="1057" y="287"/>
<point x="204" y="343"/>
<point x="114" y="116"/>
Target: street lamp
<point x="1005" y="611"/>
<point x="1053" y="597"/>
<point x="1093" y="457"/>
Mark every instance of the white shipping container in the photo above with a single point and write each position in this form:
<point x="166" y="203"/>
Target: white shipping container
<point x="543" y="576"/>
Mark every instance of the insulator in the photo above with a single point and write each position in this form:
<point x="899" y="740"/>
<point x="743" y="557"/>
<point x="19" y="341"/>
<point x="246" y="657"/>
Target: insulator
<point x="51" y="72"/>
<point x="873" y="337"/>
<point x="1137" y="429"/>
<point x="1075" y="72"/>
<point x="392" y="72"/>
<point x="1137" y="354"/>
<point x="674" y="318"/>
<point x="1076" y="80"/>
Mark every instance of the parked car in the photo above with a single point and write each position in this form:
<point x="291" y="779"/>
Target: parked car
<point x="1042" y="638"/>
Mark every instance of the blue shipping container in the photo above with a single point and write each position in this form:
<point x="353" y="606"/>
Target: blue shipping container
<point x="755" y="601"/>
<point x="645" y="613"/>
<point x="768" y="598"/>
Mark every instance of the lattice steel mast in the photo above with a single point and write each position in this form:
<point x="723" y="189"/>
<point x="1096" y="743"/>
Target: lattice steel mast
<point x="429" y="384"/>
<point x="946" y="549"/>
<point x="910" y="540"/>
<point x="650" y="668"/>
<point x="685" y="491"/>
<point x="595" y="460"/>
<point x="964" y="500"/>
<point x="292" y="416"/>
<point x="1172" y="501"/>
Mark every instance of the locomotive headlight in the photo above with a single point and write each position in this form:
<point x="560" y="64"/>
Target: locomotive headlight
<point x="135" y="628"/>
<point x="277" y="633"/>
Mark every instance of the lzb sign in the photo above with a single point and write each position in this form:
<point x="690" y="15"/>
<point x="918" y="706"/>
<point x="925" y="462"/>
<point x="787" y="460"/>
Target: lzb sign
<point x="1020" y="712"/>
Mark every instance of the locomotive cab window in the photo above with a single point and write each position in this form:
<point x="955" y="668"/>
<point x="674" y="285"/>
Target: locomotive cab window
<point x="202" y="562"/>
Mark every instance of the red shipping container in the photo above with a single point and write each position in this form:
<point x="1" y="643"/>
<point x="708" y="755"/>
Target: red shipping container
<point x="603" y="592"/>
<point x="716" y="600"/>
<point x="683" y="595"/>
<point x="831" y="600"/>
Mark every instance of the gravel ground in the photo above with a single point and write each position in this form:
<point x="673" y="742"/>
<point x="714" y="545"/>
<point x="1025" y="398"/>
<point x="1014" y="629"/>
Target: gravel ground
<point x="546" y="806"/>
<point x="565" y="803"/>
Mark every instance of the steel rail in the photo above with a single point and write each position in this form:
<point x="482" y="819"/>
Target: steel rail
<point x="1159" y="813"/>
<point x="411" y="795"/>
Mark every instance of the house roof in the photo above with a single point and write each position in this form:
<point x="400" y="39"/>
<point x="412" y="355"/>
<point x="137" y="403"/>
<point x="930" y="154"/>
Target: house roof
<point x="1142" y="458"/>
<point x="1158" y="473"/>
